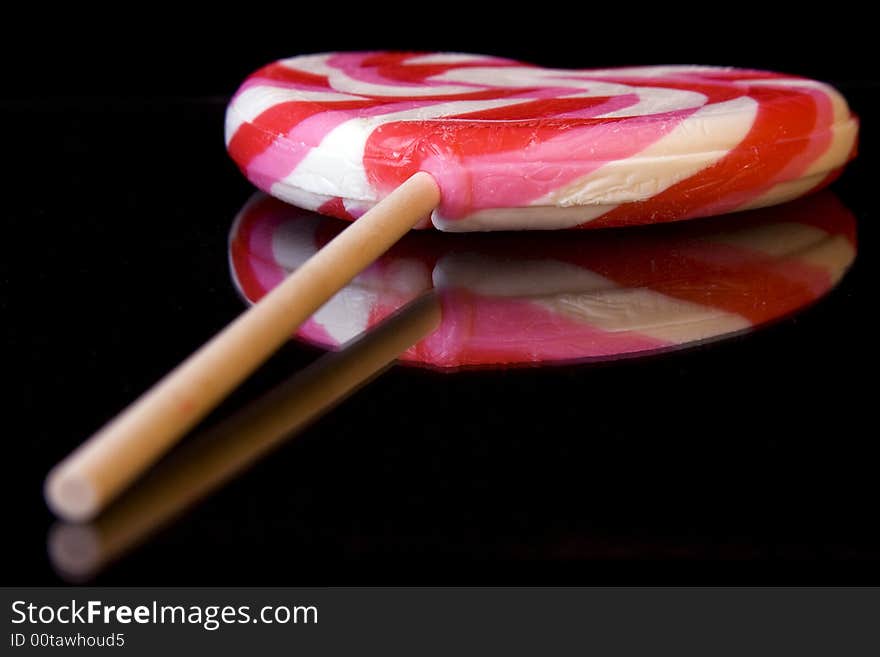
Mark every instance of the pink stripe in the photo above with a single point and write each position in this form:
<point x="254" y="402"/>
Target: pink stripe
<point x="516" y="178"/>
<point x="479" y="330"/>
<point x="285" y="153"/>
<point x="351" y="65"/>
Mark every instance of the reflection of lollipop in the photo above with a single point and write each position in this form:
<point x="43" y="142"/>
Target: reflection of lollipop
<point x="517" y="298"/>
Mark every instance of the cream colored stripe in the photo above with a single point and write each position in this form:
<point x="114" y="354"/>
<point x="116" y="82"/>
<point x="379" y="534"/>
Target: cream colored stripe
<point x="648" y="313"/>
<point x="587" y="296"/>
<point x="695" y="143"/>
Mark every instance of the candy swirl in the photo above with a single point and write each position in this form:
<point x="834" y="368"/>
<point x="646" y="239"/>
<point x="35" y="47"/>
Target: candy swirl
<point x="515" y="146"/>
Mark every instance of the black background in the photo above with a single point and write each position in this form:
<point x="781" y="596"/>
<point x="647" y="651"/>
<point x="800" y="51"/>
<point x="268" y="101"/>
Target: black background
<point x="748" y="461"/>
<point x="147" y="50"/>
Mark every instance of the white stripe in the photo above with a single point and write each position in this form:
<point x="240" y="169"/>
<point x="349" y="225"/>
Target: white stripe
<point x="652" y="71"/>
<point x="447" y="58"/>
<point x="648" y="313"/>
<point x="652" y="100"/>
<point x="529" y="76"/>
<point x="293" y="242"/>
<point x="315" y="64"/>
<point x="298" y="197"/>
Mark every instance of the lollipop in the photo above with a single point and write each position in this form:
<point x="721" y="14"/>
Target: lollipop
<point x="514" y="146"/>
<point x="525" y="299"/>
<point x="473" y="143"/>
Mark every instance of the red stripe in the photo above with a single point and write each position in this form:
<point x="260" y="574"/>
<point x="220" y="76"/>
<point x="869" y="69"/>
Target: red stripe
<point x="281" y="73"/>
<point x="536" y="109"/>
<point x="335" y="208"/>
<point x="252" y="138"/>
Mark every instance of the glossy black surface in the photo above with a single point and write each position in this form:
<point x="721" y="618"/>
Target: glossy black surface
<point x="753" y="460"/>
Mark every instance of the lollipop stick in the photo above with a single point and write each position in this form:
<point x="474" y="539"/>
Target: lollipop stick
<point x="90" y="477"/>
<point x="222" y="452"/>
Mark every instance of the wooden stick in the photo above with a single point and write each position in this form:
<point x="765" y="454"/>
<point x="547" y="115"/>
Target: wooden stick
<point x="79" y="551"/>
<point x="96" y="472"/>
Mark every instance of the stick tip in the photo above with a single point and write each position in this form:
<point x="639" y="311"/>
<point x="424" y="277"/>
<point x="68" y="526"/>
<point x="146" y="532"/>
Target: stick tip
<point x="70" y="496"/>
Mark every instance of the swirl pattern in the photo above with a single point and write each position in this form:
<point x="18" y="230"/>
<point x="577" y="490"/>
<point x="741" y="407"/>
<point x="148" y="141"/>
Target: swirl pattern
<point x="515" y="146"/>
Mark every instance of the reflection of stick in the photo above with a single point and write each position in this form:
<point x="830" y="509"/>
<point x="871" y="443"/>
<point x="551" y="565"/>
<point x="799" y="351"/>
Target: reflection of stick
<point x="87" y="480"/>
<point x="217" y="455"/>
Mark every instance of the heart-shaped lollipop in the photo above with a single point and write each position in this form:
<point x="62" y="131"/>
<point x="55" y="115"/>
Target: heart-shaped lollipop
<point x="514" y="146"/>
